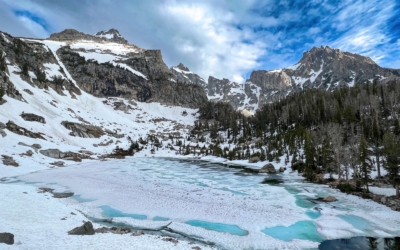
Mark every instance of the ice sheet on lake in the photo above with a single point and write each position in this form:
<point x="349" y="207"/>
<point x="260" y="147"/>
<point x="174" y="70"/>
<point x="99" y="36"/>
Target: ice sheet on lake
<point x="184" y="191"/>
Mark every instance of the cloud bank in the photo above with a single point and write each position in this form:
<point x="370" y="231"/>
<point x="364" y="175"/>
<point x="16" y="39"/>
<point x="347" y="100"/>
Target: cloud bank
<point x="225" y="39"/>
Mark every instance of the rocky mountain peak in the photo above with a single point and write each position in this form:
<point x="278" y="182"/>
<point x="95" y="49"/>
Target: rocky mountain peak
<point x="113" y="35"/>
<point x="182" y="67"/>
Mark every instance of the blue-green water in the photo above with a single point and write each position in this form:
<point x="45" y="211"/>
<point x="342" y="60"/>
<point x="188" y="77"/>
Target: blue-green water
<point x="304" y="230"/>
<point x="159" y="218"/>
<point x="232" y="229"/>
<point x="110" y="212"/>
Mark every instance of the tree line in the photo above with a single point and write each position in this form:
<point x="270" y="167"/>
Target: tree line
<point x="347" y="132"/>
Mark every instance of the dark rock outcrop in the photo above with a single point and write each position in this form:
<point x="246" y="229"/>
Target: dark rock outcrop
<point x="33" y="118"/>
<point x="85" y="229"/>
<point x="9" y="161"/>
<point x="7" y="238"/>
<point x="11" y="126"/>
<point x="268" y="168"/>
<point x="57" y="154"/>
<point x="83" y="130"/>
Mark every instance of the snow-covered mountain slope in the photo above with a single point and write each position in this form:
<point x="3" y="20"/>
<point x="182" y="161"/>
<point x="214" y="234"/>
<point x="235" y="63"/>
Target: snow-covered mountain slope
<point x="83" y="108"/>
<point x="322" y="68"/>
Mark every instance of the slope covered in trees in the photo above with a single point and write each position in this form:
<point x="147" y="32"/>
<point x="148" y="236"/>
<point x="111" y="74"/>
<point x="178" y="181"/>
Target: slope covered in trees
<point x="347" y="132"/>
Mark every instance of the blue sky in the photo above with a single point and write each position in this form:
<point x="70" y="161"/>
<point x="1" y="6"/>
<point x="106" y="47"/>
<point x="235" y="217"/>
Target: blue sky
<point x="225" y="39"/>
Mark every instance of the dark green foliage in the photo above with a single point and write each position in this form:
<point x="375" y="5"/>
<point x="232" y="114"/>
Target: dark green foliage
<point x="346" y="188"/>
<point x="391" y="151"/>
<point x="365" y="163"/>
<point x="25" y="70"/>
<point x="3" y="63"/>
<point x="40" y="75"/>
<point x="1" y="93"/>
<point x="319" y="130"/>
<point x="134" y="147"/>
<point x="57" y="80"/>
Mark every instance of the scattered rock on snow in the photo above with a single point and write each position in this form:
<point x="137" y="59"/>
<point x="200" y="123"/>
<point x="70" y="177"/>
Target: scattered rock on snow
<point x="169" y="239"/>
<point x="9" y="161"/>
<point x="282" y="169"/>
<point x="58" y="163"/>
<point x="137" y="233"/>
<point x="33" y="118"/>
<point x="268" y="168"/>
<point x="254" y="159"/>
<point x="2" y="133"/>
<point x="62" y="195"/>
<point x="7" y="238"/>
<point x="85" y="229"/>
<point x="329" y="199"/>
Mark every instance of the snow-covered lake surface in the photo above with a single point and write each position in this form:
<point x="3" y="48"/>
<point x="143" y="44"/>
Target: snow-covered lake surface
<point x="215" y="203"/>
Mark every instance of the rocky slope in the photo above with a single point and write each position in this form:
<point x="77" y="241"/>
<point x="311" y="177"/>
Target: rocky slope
<point x="104" y="65"/>
<point x="84" y="97"/>
<point x="322" y="68"/>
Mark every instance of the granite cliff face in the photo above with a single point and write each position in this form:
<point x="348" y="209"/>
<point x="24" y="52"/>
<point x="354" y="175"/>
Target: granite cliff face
<point x="104" y="65"/>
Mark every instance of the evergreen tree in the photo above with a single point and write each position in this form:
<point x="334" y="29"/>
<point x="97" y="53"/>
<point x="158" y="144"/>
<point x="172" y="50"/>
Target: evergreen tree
<point x="391" y="151"/>
<point x="365" y="163"/>
<point x="327" y="156"/>
<point x="309" y="153"/>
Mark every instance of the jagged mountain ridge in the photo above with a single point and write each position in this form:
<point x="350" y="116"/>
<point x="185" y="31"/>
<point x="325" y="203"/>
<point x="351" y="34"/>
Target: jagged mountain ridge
<point x="104" y="65"/>
<point x="321" y="68"/>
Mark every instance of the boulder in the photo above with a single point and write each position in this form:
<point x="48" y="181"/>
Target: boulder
<point x="52" y="153"/>
<point x="268" y="168"/>
<point x="282" y="169"/>
<point x="85" y="229"/>
<point x="7" y="238"/>
<point x="33" y="117"/>
<point x="329" y="199"/>
<point x="2" y="133"/>
<point x="254" y="159"/>
<point x="58" y="163"/>
<point x="9" y="161"/>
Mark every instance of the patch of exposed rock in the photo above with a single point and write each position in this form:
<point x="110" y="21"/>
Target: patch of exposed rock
<point x="9" y="161"/>
<point x="34" y="146"/>
<point x="85" y="229"/>
<point x="83" y="130"/>
<point x="114" y="230"/>
<point x="11" y="126"/>
<point x="7" y="238"/>
<point x="57" y="154"/>
<point x="33" y="118"/>
<point x="268" y="168"/>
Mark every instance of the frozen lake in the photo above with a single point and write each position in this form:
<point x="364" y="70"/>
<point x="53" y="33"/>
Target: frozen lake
<point x="214" y="203"/>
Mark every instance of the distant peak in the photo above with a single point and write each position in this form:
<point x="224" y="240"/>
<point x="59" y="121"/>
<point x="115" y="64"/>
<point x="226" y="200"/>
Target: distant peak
<point x="111" y="35"/>
<point x="182" y="67"/>
<point x="113" y="32"/>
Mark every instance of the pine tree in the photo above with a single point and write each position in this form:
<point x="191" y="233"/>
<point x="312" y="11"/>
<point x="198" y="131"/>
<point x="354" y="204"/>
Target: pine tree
<point x="391" y="151"/>
<point x="327" y="156"/>
<point x="309" y="153"/>
<point x="365" y="163"/>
